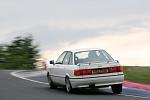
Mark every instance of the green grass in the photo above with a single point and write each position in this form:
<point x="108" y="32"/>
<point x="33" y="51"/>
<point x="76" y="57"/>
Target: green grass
<point x="137" y="74"/>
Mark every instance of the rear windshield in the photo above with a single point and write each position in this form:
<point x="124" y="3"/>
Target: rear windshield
<point x="94" y="56"/>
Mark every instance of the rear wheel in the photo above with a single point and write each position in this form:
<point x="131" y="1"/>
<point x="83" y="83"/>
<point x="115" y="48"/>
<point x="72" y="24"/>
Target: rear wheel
<point x="117" y="88"/>
<point x="51" y="84"/>
<point x="68" y="85"/>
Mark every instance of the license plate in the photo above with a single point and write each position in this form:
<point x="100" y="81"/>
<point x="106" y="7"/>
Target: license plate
<point x="100" y="71"/>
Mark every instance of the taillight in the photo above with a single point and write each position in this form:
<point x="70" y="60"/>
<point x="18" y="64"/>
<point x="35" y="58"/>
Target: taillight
<point x="82" y="72"/>
<point x="87" y="72"/>
<point x="117" y="69"/>
<point x="77" y="72"/>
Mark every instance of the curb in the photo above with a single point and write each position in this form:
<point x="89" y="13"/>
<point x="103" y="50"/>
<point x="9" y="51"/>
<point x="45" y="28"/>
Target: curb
<point x="136" y="85"/>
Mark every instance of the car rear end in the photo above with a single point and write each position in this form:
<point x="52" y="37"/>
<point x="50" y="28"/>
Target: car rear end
<point x="97" y="72"/>
<point x="97" y="75"/>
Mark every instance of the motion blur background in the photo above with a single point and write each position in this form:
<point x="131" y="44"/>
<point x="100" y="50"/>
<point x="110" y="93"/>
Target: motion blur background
<point x="122" y="27"/>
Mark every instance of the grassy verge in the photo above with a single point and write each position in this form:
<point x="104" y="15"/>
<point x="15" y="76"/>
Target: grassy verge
<point x="137" y="74"/>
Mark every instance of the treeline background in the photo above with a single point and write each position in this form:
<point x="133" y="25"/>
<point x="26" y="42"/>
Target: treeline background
<point x="21" y="53"/>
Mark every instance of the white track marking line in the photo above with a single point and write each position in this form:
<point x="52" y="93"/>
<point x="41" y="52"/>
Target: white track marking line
<point x="134" y="96"/>
<point x="21" y="77"/>
<point x="25" y="73"/>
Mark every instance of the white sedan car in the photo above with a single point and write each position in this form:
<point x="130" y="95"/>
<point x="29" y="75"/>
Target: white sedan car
<point x="89" y="68"/>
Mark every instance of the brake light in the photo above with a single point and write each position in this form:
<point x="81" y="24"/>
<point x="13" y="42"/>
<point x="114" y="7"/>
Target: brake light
<point x="82" y="72"/>
<point x="87" y="72"/>
<point x="77" y="72"/>
<point x="117" y="69"/>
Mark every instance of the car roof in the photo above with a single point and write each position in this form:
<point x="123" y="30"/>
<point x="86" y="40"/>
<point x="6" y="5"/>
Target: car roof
<point x="83" y="49"/>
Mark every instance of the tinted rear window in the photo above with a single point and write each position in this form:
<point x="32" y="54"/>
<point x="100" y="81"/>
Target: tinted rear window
<point x="92" y="56"/>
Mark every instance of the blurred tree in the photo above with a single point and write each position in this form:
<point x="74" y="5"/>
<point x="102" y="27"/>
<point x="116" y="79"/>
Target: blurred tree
<point x="3" y="56"/>
<point x="21" y="53"/>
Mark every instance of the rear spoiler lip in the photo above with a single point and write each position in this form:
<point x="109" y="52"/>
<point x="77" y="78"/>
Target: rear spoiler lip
<point x="89" y="63"/>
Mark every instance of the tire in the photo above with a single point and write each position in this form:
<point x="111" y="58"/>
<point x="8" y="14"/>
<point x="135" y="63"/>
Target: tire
<point x="68" y="85"/>
<point x="51" y="84"/>
<point x="117" y="88"/>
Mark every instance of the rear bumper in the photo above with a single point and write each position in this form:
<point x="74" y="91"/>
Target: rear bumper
<point x="97" y="81"/>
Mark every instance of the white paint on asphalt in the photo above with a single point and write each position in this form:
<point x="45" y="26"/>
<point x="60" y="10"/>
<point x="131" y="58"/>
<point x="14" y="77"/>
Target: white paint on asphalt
<point x="15" y="73"/>
<point x="29" y="73"/>
<point x="21" y="77"/>
<point x="134" y="96"/>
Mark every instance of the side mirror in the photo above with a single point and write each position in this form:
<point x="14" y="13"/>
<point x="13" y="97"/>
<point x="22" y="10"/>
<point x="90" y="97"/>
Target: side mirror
<point x="117" y="61"/>
<point x="52" y="62"/>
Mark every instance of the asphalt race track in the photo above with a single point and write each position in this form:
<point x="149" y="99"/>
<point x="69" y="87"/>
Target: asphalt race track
<point x="24" y="85"/>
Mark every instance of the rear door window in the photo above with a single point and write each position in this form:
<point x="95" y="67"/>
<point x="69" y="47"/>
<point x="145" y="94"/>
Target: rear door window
<point x="60" y="58"/>
<point x="67" y="58"/>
